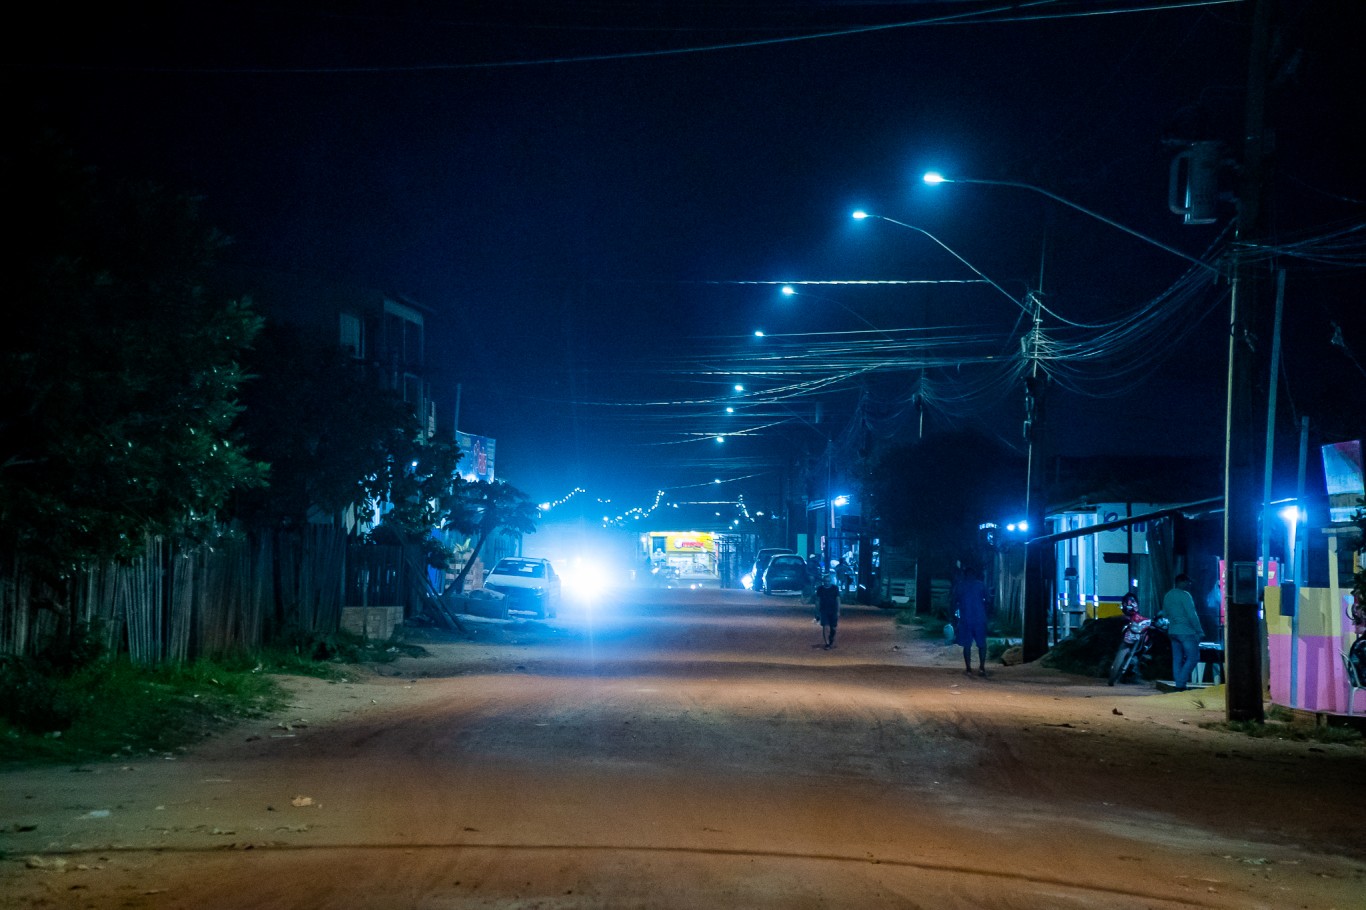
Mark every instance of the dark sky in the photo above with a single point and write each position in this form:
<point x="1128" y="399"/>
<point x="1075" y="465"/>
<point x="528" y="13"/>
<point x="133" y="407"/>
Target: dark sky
<point x="598" y="199"/>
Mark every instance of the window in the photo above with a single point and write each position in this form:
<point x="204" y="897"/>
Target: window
<point x="350" y="335"/>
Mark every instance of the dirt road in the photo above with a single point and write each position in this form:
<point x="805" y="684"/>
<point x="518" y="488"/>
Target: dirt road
<point x="695" y="749"/>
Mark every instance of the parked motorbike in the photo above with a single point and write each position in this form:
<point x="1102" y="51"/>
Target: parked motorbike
<point x="1136" y="641"/>
<point x="1356" y="653"/>
<point x="665" y="576"/>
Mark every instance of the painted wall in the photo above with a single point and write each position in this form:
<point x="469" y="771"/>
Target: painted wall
<point x="1314" y="648"/>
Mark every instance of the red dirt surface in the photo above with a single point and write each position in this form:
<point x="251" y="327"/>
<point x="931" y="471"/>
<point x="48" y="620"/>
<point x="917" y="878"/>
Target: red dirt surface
<point x="696" y="749"/>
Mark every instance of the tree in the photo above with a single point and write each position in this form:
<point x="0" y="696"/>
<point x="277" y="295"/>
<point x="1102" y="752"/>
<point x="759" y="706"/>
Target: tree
<point x="486" y="508"/>
<point x="421" y="492"/>
<point x="335" y="439"/>
<point x="345" y="450"/>
<point x="118" y="371"/>
<point x="934" y="494"/>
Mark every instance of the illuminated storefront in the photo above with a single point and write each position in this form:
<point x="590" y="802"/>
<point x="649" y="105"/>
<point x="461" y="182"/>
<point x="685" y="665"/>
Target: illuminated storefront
<point x="692" y="554"/>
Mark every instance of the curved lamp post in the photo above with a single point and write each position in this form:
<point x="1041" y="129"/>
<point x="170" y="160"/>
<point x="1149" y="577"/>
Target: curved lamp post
<point x="1243" y="654"/>
<point x="861" y="215"/>
<point x="934" y="178"/>
<point x="1036" y="635"/>
<point x="788" y="290"/>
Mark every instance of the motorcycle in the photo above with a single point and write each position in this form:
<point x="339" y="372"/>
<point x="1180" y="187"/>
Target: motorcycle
<point x="1356" y="653"/>
<point x="1136" y="641"/>
<point x="665" y="576"/>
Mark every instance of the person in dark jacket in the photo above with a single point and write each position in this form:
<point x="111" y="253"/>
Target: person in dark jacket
<point x="970" y="606"/>
<point x="828" y="609"/>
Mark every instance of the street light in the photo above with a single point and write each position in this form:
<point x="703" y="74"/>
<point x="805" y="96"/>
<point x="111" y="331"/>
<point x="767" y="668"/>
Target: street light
<point x="1244" y="697"/>
<point x="1035" y="609"/>
<point x="1035" y="314"/>
<point x="789" y="291"/>
<point x="1035" y="642"/>
<point x="934" y="178"/>
<point x="861" y="215"/>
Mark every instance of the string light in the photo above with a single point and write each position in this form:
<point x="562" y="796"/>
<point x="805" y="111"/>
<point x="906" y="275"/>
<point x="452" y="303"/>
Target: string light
<point x="555" y="503"/>
<point x="641" y="512"/>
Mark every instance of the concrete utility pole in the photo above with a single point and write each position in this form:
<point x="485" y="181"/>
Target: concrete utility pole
<point x="1242" y="506"/>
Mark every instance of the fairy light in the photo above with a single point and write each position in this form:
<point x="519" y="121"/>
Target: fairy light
<point x="556" y="503"/>
<point x="639" y="513"/>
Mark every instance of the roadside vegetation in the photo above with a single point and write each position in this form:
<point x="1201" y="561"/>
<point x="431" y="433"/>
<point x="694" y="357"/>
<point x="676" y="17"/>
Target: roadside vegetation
<point x="937" y="629"/>
<point x="1283" y="723"/>
<point x="76" y="704"/>
<point x="142" y="419"/>
<point x="1089" y="651"/>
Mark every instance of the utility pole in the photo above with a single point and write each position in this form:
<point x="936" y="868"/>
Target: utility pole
<point x="1242" y="648"/>
<point x="1034" y="640"/>
<point x="1034" y="637"/>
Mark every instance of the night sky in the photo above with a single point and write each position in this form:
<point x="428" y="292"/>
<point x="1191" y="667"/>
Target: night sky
<point x="600" y="201"/>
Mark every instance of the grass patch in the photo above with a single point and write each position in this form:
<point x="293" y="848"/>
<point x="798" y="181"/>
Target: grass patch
<point x="928" y="624"/>
<point x="112" y="709"/>
<point x="999" y="646"/>
<point x="323" y="655"/>
<point x="1280" y="724"/>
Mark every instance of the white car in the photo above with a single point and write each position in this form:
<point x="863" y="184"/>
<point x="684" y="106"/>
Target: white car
<point x="527" y="583"/>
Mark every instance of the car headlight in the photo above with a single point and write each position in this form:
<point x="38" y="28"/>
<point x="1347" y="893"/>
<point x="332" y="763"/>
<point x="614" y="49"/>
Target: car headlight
<point x="583" y="579"/>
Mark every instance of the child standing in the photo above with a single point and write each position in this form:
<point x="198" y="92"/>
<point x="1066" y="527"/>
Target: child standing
<point x="828" y="609"/>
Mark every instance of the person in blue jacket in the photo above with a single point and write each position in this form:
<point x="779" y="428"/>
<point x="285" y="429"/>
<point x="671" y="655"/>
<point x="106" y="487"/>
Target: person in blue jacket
<point x="970" y="606"/>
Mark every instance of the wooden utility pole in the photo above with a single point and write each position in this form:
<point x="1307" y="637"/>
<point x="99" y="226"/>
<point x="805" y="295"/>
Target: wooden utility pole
<point x="1037" y="591"/>
<point x="1242" y="505"/>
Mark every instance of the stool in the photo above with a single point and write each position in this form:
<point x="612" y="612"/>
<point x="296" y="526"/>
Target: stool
<point x="1211" y="656"/>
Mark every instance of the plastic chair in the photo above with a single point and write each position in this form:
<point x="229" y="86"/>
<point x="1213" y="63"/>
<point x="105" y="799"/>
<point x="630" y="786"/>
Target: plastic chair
<point x="1354" y="681"/>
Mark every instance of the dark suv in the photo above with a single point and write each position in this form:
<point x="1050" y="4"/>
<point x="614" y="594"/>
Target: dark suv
<point x="786" y="574"/>
<point x="756" y="574"/>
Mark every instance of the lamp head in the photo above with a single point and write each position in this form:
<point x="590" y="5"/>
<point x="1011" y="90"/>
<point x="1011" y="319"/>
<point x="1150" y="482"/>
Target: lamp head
<point x="858" y="215"/>
<point x="934" y="178"/>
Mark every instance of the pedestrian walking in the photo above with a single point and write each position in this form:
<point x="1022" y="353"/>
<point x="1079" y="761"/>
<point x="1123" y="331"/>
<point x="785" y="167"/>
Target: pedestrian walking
<point x="828" y="609"/>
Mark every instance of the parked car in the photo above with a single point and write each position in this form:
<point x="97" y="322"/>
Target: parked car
<point x="527" y="583"/>
<point x="755" y="577"/>
<point x="786" y="574"/>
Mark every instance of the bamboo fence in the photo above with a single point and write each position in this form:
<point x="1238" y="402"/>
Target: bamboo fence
<point x="176" y="602"/>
